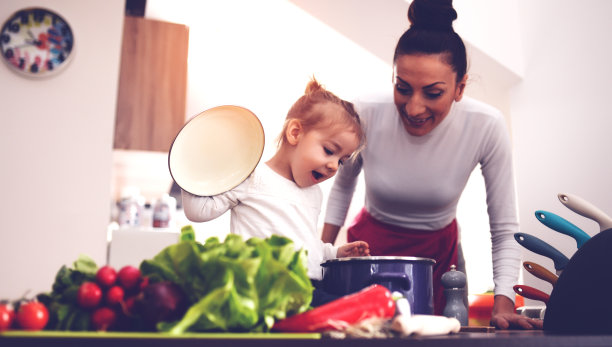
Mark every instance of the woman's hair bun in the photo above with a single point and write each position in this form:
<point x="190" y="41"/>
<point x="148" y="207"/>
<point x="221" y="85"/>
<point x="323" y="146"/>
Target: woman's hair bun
<point x="432" y="15"/>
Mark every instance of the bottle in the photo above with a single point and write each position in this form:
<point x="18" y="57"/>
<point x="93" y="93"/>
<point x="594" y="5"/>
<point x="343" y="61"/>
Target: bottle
<point x="454" y="283"/>
<point x="131" y="207"/>
<point x="164" y="211"/>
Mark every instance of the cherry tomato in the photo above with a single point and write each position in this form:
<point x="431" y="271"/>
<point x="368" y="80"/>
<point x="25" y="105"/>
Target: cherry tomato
<point x="114" y="295"/>
<point x="7" y="317"/>
<point x="32" y="315"/>
<point x="128" y="277"/>
<point x="89" y="295"/>
<point x="106" y="276"/>
<point x="103" y="318"/>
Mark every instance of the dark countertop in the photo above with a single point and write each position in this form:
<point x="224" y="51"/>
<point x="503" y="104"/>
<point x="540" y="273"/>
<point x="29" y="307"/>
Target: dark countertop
<point x="463" y="339"/>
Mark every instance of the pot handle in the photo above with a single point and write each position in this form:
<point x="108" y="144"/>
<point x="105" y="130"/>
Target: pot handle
<point x="402" y="278"/>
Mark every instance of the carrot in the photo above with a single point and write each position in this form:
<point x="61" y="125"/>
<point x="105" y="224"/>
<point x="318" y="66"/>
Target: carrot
<point x="370" y="302"/>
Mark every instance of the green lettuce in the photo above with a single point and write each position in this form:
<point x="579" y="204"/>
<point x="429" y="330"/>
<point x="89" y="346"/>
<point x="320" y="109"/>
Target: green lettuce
<point x="234" y="285"/>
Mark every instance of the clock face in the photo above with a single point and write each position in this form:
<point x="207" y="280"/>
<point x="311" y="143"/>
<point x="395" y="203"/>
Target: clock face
<point x="36" y="42"/>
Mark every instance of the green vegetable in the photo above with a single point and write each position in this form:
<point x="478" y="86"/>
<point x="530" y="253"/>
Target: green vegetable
<point x="234" y="285"/>
<point x="64" y="313"/>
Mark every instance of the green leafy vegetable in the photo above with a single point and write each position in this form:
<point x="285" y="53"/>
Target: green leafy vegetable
<point x="64" y="313"/>
<point x="234" y="285"/>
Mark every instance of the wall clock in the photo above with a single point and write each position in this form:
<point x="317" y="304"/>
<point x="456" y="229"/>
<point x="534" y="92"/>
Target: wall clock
<point x="36" y="42"/>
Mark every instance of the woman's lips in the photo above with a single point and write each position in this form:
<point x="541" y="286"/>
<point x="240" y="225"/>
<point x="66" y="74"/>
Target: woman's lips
<point x="417" y="121"/>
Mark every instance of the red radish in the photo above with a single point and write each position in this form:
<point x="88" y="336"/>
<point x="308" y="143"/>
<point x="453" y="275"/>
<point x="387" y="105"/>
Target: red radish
<point x="89" y="295"/>
<point x="114" y="295"/>
<point x="106" y="276"/>
<point x="103" y="318"/>
<point x="128" y="277"/>
<point x="128" y="305"/>
<point x="144" y="282"/>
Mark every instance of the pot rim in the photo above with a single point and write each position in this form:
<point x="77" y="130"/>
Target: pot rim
<point x="379" y="258"/>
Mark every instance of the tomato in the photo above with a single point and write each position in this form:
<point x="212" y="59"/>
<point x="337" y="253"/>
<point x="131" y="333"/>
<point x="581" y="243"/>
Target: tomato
<point x="114" y="295"/>
<point x="103" y="318"/>
<point x="7" y="317"/>
<point x="32" y="315"/>
<point x="106" y="276"/>
<point x="89" y="295"/>
<point x="129" y="277"/>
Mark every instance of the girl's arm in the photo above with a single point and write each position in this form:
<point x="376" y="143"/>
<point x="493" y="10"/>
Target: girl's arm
<point x="205" y="208"/>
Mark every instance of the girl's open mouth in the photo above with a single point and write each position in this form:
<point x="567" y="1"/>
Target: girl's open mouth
<point x="317" y="176"/>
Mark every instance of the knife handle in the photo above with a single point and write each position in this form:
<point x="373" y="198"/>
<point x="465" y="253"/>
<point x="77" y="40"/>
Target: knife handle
<point x="540" y="247"/>
<point x="563" y="226"/>
<point x="531" y="293"/>
<point x="540" y="272"/>
<point x="586" y="209"/>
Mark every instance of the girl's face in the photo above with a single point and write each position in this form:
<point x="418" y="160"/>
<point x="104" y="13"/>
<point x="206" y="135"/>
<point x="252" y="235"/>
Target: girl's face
<point x="424" y="89"/>
<point x="320" y="151"/>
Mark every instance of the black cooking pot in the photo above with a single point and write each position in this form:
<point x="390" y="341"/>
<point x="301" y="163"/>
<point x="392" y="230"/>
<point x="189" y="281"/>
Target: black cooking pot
<point x="411" y="276"/>
<point x="581" y="300"/>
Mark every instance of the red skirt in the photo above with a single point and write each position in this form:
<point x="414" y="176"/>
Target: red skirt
<point x="390" y="240"/>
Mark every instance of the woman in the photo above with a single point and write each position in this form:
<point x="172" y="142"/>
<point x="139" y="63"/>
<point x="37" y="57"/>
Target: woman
<point x="421" y="149"/>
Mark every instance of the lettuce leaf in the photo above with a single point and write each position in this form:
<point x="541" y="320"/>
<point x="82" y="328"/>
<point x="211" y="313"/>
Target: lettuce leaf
<point x="234" y="285"/>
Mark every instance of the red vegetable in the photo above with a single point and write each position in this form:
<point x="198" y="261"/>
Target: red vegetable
<point x="106" y="276"/>
<point x="373" y="301"/>
<point x="161" y="301"/>
<point x="89" y="295"/>
<point x="32" y="315"/>
<point x="7" y="317"/>
<point x="129" y="277"/>
<point x="103" y="318"/>
<point x="114" y="295"/>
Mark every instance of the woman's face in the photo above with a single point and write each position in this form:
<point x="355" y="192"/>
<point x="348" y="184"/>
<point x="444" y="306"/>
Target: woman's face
<point x="424" y="89"/>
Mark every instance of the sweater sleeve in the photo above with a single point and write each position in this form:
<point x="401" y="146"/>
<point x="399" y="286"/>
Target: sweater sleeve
<point x="342" y="191"/>
<point x="205" y="208"/>
<point x="497" y="169"/>
<point x="329" y="251"/>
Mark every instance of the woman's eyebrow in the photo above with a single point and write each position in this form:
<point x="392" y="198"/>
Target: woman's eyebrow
<point x="425" y="87"/>
<point x="433" y="84"/>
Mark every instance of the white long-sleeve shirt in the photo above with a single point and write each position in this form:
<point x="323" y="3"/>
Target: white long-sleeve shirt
<point x="268" y="204"/>
<point x="416" y="182"/>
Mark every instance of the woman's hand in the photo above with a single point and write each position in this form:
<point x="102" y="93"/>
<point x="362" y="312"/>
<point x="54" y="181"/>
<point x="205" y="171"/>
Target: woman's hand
<point x="353" y="249"/>
<point x="504" y="317"/>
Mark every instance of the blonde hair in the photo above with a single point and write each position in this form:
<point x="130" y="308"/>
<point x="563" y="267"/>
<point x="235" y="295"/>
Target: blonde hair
<point x="304" y="110"/>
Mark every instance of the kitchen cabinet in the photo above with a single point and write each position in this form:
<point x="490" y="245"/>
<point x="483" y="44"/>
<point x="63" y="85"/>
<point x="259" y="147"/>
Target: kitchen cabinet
<point x="152" y="84"/>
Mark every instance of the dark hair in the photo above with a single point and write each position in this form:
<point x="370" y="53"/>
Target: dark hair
<point x="431" y="32"/>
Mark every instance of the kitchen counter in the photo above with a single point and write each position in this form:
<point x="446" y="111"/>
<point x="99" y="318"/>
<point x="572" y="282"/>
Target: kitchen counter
<point x="463" y="339"/>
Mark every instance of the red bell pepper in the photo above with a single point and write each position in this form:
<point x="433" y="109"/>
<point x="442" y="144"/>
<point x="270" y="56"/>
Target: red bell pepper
<point x="372" y="301"/>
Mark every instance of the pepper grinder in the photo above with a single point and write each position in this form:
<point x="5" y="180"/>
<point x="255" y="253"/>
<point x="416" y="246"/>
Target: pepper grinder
<point x="454" y="289"/>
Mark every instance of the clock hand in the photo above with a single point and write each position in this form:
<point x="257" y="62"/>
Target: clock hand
<point x="26" y="44"/>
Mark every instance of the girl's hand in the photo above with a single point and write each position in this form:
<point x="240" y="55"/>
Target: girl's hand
<point x="353" y="249"/>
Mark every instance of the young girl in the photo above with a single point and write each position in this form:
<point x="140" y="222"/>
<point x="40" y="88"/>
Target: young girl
<point x="282" y="197"/>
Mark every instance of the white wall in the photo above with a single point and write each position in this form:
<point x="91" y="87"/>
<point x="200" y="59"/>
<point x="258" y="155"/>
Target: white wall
<point x="561" y="116"/>
<point x="55" y="143"/>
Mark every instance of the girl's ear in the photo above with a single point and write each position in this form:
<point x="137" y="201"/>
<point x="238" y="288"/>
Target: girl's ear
<point x="460" y="88"/>
<point x="294" y="131"/>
